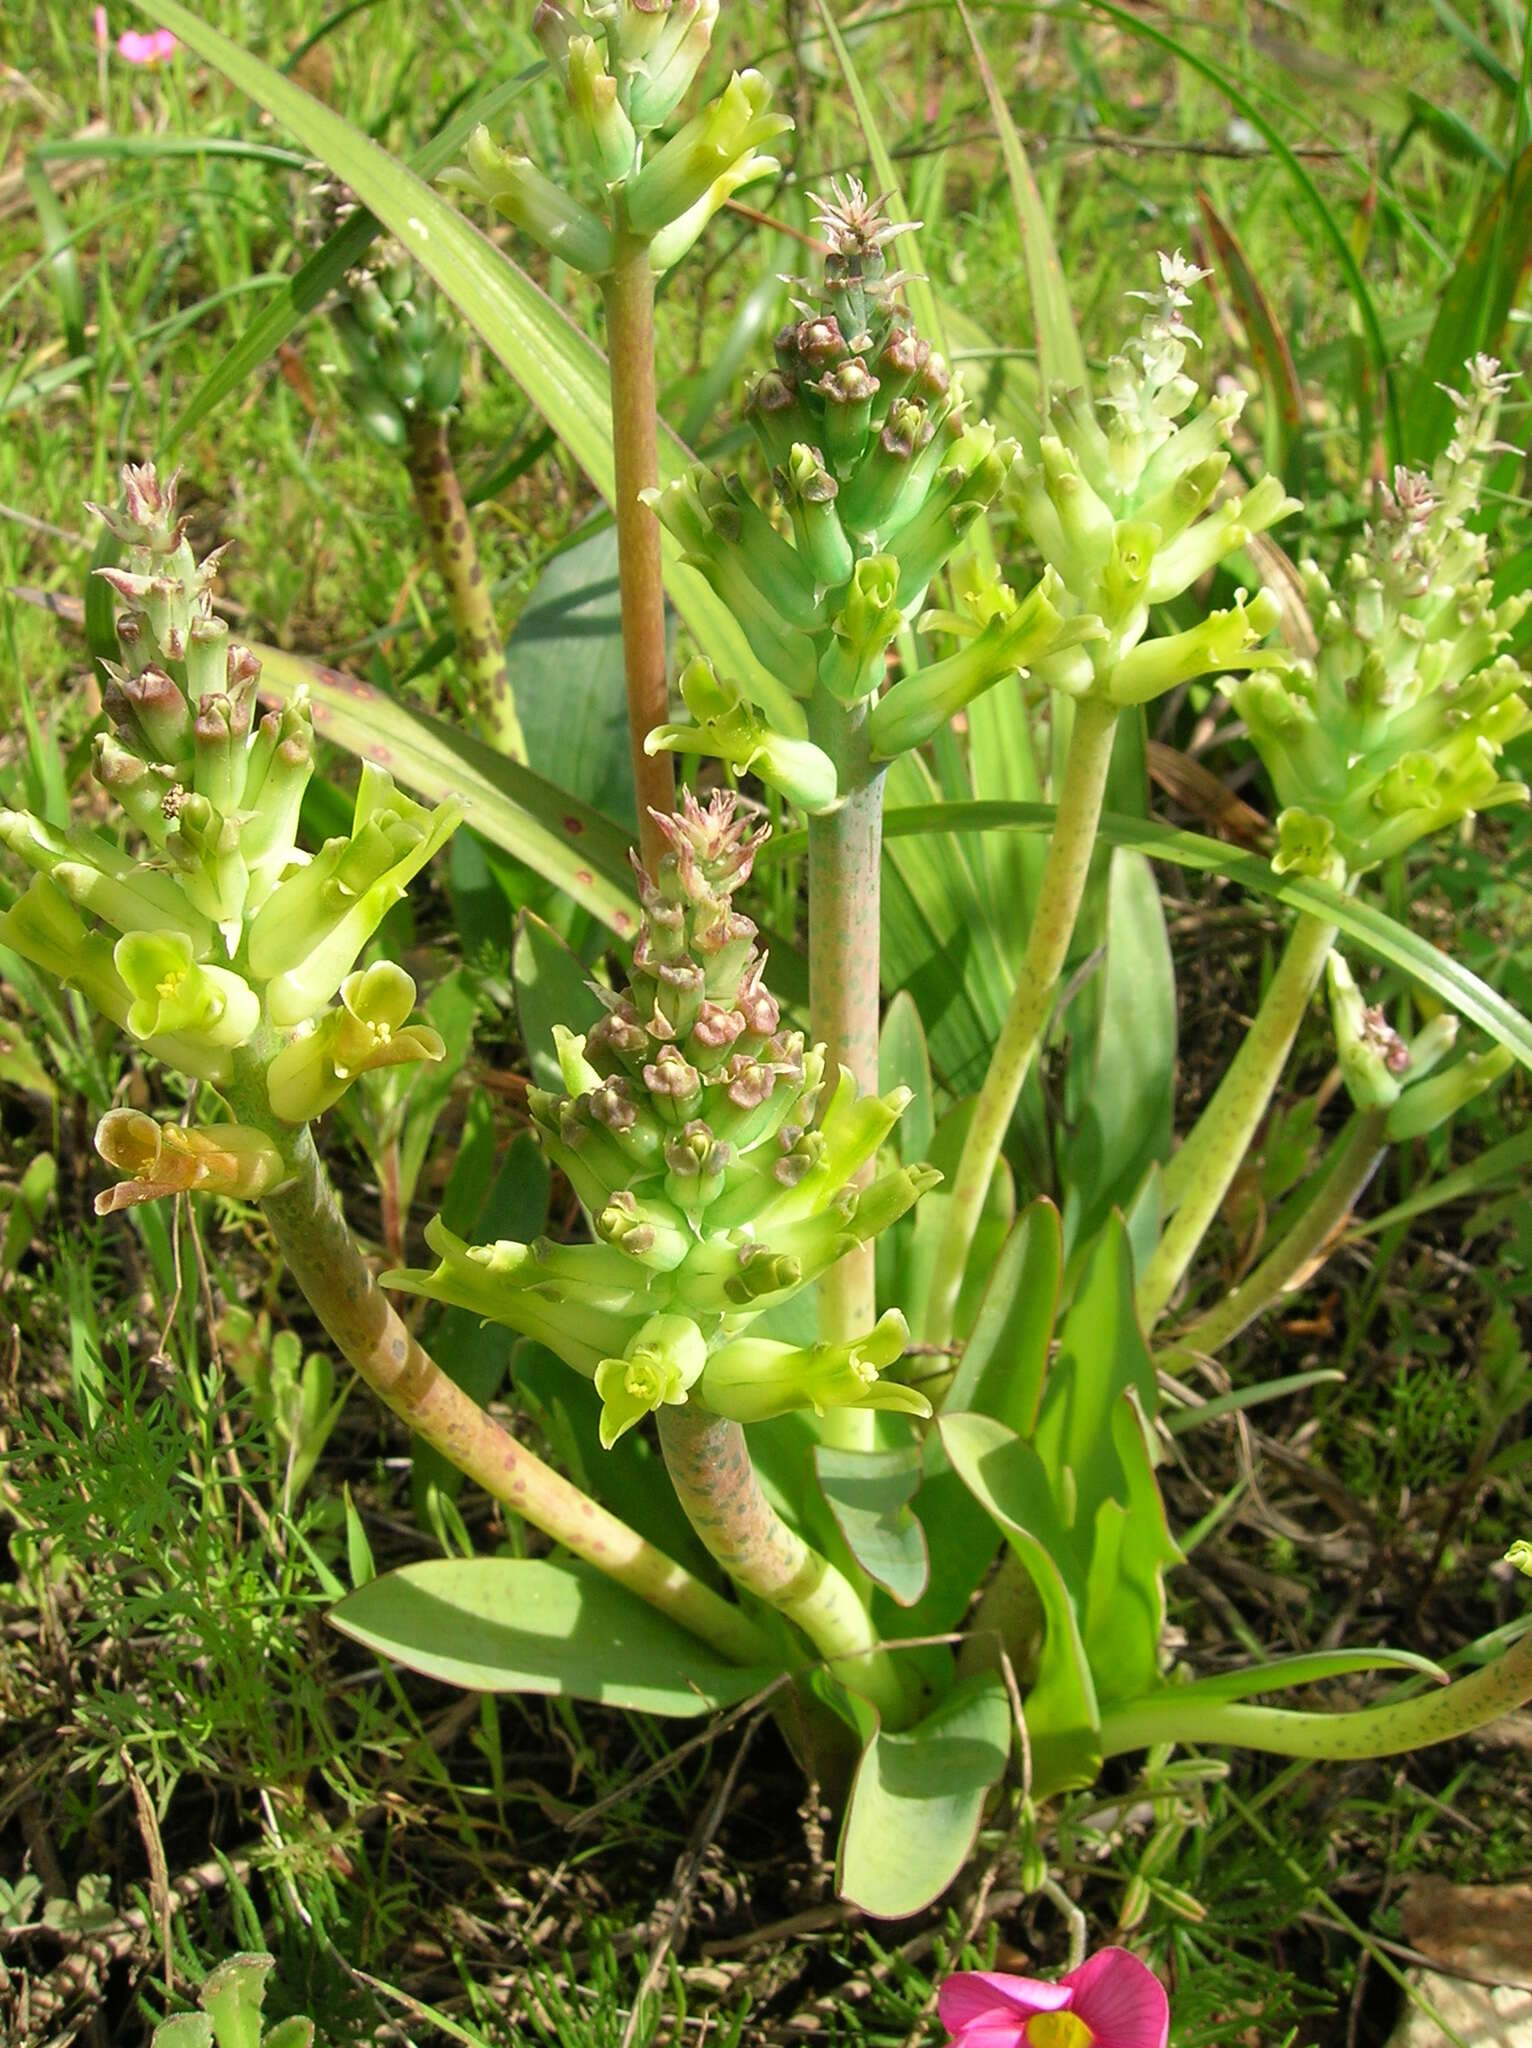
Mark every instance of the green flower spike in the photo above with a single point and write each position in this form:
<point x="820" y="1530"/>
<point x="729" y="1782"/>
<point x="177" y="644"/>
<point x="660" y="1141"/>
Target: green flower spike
<point x="658" y="1368"/>
<point x="1119" y="498"/>
<point x="1395" y="729"/>
<point x="176" y="996"/>
<point x="158" y="1159"/>
<point x="715" y="1169"/>
<point x="369" y="1031"/>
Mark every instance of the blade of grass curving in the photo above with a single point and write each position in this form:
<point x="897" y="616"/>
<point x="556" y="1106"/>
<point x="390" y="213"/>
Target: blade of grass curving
<point x="559" y="368"/>
<point x="1058" y="339"/>
<point x="1372" y="929"/>
<point x="1267" y="342"/>
<point x="924" y="308"/>
<point x="63" y="257"/>
<point x="1334" y="233"/>
<point x="1501" y="1165"/>
<point x="328" y="265"/>
<point x="327" y="27"/>
<point x="1474" y="307"/>
<point x="1473" y="43"/>
<point x="111" y="146"/>
<point x="566" y="841"/>
<point x="163" y="331"/>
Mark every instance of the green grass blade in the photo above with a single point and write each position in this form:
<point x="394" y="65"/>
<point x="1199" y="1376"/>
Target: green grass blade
<point x="1334" y="233"/>
<point x="63" y="257"/>
<point x="1473" y="43"/>
<point x="1264" y="336"/>
<point x="560" y="369"/>
<point x="1372" y="929"/>
<point x="568" y="842"/>
<point x="1501" y="1164"/>
<point x="1474" y="308"/>
<point x="1058" y="339"/>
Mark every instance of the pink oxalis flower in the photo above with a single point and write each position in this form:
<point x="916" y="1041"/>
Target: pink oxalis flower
<point x="151" y="46"/>
<point x="1112" y="2001"/>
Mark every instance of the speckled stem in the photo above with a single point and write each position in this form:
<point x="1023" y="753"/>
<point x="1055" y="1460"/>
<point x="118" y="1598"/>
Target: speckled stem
<point x="709" y="1466"/>
<point x="629" y="291"/>
<point x="1053" y="923"/>
<point x="323" y="1257"/>
<point x="1198" y="1177"/>
<point x="480" y="652"/>
<point x="1352" y="1163"/>
<point x="845" y="857"/>
<point x="1436" y="1716"/>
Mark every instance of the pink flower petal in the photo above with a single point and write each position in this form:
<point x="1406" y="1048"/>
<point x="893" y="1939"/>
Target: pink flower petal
<point x="99" y="20"/>
<point x="136" y="46"/>
<point x="1121" y="2000"/>
<point x="989" y="2007"/>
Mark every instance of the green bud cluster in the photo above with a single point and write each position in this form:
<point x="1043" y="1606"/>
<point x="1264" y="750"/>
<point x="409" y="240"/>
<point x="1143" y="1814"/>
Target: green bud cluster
<point x="878" y="475"/>
<point x="1382" y="1072"/>
<point x="625" y="65"/>
<point x="404" y="349"/>
<point x="1396" y="726"/>
<point x="1120" y="496"/>
<point x="715" y="1160"/>
<point x="219" y="937"/>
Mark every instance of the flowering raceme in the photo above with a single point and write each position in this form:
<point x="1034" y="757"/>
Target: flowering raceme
<point x="625" y="65"/>
<point x="715" y="1160"/>
<point x="1396" y="726"/>
<point x="218" y="943"/>
<point x="878" y="473"/>
<point x="1120" y="497"/>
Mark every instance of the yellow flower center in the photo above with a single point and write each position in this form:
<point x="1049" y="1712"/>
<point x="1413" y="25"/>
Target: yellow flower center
<point x="379" y="1034"/>
<point x="1058" y="2030"/>
<point x="642" y="1381"/>
<point x="168" y="989"/>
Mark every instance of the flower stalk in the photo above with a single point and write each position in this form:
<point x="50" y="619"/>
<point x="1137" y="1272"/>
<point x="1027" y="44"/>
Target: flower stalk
<point x="845" y="875"/>
<point x="1437" y="1716"/>
<point x="1353" y="1161"/>
<point x="628" y="290"/>
<point x="327" y="1264"/>
<point x="480" y="652"/>
<point x="1063" y="886"/>
<point x="1199" y="1175"/>
<point x="709" y="1464"/>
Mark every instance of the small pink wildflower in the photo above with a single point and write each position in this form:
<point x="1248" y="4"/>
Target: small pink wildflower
<point x="98" y="22"/>
<point x="1112" y="2001"/>
<point x="152" y="46"/>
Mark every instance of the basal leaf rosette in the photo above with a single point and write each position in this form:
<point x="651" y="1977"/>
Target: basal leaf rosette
<point x="878" y="473"/>
<point x="625" y="67"/>
<point x="715" y="1160"/>
<point x="207" y="934"/>
<point x="1396" y="728"/>
<point x="1121" y="496"/>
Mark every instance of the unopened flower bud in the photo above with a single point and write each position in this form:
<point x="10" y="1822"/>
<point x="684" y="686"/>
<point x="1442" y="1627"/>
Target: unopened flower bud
<point x="516" y="189"/>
